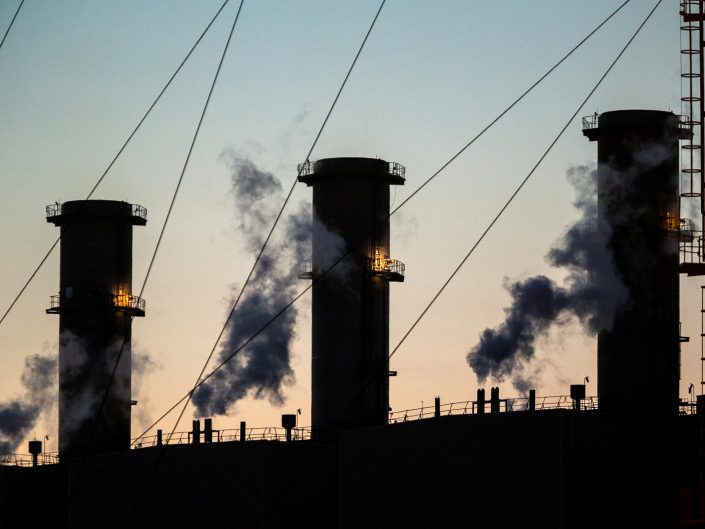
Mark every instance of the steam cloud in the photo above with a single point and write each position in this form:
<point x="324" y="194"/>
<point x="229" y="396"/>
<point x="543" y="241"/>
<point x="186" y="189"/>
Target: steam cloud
<point x="591" y="293"/>
<point x="262" y="368"/>
<point x="18" y="416"/>
<point x="85" y="379"/>
<point x="143" y="365"/>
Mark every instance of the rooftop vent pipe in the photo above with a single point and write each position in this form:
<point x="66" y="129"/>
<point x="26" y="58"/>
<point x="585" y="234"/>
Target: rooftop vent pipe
<point x="288" y="423"/>
<point x="35" y="448"/>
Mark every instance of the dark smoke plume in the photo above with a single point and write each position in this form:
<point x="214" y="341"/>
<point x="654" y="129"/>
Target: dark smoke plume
<point x="18" y="416"/>
<point x="263" y="367"/>
<point x="591" y="293"/>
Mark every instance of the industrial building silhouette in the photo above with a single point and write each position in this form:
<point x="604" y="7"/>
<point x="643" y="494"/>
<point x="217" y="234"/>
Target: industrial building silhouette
<point x="631" y="461"/>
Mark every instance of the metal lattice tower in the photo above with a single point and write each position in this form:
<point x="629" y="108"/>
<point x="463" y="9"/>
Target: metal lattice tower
<point x="692" y="153"/>
<point x="692" y="98"/>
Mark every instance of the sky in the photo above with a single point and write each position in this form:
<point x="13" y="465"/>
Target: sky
<point x="77" y="76"/>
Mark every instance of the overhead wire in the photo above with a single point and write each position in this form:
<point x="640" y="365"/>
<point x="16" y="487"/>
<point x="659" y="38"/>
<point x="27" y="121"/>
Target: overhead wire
<point x="522" y="184"/>
<point x="479" y="240"/>
<point x="115" y="158"/>
<point x="128" y="318"/>
<point x="276" y="220"/>
<point x="435" y="174"/>
<point x="385" y="218"/>
<point x="11" y="24"/>
<point x="173" y="200"/>
<point x="168" y="215"/>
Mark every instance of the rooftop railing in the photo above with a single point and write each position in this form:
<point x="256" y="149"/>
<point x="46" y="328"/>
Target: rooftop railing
<point x="470" y="407"/>
<point x="270" y="433"/>
<point x="26" y="460"/>
<point x="178" y="438"/>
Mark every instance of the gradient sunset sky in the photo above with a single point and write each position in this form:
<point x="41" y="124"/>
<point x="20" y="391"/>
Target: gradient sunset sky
<point x="78" y="75"/>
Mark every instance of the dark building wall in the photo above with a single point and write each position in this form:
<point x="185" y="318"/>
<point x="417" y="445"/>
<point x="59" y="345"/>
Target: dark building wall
<point x="33" y="497"/>
<point x="350" y="307"/>
<point x="548" y="469"/>
<point x="555" y="469"/>
<point x="95" y="325"/>
<point x="269" y="485"/>
<point x="638" y="358"/>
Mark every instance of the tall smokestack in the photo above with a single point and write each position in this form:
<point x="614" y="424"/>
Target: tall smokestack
<point x="95" y="306"/>
<point x="637" y="153"/>
<point x="350" y="361"/>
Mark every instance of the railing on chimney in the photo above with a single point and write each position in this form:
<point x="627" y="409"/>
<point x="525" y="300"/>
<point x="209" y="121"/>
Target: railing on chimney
<point x="590" y="122"/>
<point x="308" y="168"/>
<point x="139" y="211"/>
<point x="121" y="301"/>
<point x="55" y="209"/>
<point x="306" y="269"/>
<point x="128" y="302"/>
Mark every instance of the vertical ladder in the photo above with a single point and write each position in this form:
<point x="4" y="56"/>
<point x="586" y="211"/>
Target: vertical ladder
<point x="692" y="80"/>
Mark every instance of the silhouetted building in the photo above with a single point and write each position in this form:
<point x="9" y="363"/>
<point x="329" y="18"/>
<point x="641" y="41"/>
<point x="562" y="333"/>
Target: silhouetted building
<point x="95" y="306"/>
<point x="350" y="320"/>
<point x="633" y="463"/>
<point x="638" y="359"/>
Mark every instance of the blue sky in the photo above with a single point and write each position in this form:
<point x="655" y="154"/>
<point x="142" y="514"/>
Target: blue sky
<point x="77" y="76"/>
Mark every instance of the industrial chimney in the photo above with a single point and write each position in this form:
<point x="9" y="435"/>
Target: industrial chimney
<point x="350" y="361"/>
<point x="638" y="358"/>
<point x="95" y="306"/>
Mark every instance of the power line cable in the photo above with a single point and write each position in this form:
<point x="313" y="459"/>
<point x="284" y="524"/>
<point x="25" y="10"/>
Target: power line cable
<point x="182" y="399"/>
<point x="506" y="110"/>
<point x="190" y="151"/>
<point x="186" y="396"/>
<point x="128" y="319"/>
<point x="467" y="256"/>
<point x="11" y="23"/>
<point x="166" y="222"/>
<point x="276" y="221"/>
<point x="115" y="158"/>
<point x="414" y="193"/>
<point x="522" y="184"/>
<point x="272" y="229"/>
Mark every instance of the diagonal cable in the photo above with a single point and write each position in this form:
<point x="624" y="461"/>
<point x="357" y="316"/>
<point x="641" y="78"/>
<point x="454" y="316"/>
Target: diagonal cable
<point x="11" y="23"/>
<point x="115" y="158"/>
<point x="148" y="481"/>
<point x="276" y="221"/>
<point x="128" y="319"/>
<point x="522" y="184"/>
<point x="190" y="150"/>
<point x="306" y="464"/>
<point x="427" y="181"/>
